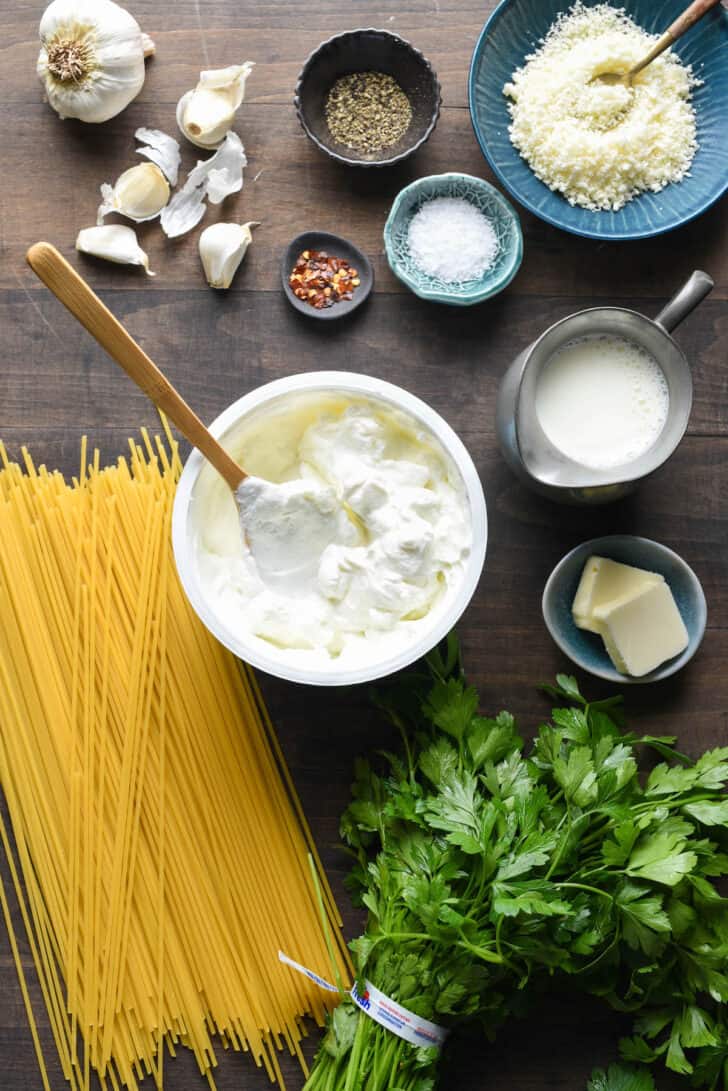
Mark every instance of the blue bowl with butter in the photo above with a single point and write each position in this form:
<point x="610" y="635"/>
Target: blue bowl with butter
<point x="587" y="649"/>
<point x="496" y="209"/>
<point x="515" y="29"/>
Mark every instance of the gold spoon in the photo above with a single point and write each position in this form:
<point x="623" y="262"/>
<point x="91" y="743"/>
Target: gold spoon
<point x="76" y="295"/>
<point x="689" y="17"/>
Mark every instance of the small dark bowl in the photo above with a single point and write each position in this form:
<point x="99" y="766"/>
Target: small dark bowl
<point x="366" y="51"/>
<point x="338" y="248"/>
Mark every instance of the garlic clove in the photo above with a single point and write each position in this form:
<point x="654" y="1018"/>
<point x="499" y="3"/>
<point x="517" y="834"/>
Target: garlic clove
<point x="222" y="249"/>
<point x="207" y="113"/>
<point x="162" y="150"/>
<point x="207" y="117"/>
<point x="140" y="194"/>
<point x="91" y="61"/>
<point x="113" y="242"/>
<point x="216" y="178"/>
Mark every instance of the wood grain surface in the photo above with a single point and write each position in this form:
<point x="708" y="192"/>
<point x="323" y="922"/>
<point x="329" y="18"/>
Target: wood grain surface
<point x="56" y="384"/>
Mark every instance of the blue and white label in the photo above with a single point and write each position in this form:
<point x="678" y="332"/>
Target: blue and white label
<point x="400" y="1020"/>
<point x="383" y="1010"/>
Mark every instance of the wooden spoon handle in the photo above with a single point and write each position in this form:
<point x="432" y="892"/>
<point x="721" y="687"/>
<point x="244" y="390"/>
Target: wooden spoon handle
<point x="75" y="294"/>
<point x="690" y="16"/>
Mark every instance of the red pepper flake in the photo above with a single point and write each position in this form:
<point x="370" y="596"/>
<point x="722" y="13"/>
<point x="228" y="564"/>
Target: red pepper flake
<point x="322" y="280"/>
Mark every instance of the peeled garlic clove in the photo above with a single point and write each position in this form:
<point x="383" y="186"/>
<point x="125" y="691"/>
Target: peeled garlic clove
<point x="222" y="248"/>
<point x="140" y="194"/>
<point x="207" y="113"/>
<point x="91" y="61"/>
<point x="113" y="242"/>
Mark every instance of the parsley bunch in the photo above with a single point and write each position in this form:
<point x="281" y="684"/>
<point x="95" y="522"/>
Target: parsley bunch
<point x="485" y="869"/>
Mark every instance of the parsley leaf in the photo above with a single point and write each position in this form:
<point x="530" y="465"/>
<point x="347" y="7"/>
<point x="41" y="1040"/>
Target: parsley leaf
<point x="620" y="1078"/>
<point x="659" y="857"/>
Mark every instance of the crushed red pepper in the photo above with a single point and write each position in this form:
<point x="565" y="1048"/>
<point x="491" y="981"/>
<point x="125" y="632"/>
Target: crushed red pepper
<point x="321" y="279"/>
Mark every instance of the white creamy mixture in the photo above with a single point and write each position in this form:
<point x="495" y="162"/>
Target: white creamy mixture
<point x="602" y="400"/>
<point x="357" y="530"/>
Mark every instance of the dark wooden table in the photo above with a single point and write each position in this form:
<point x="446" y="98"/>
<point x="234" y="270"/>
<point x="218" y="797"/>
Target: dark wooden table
<point x="55" y="385"/>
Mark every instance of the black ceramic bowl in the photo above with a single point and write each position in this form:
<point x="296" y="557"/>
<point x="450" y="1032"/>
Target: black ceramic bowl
<point x="366" y="51"/>
<point x="338" y="248"/>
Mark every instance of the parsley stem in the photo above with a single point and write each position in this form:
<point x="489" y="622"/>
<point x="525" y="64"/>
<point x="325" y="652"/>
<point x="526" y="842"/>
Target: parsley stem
<point x="676" y="800"/>
<point x="498" y="927"/>
<point x="403" y="936"/>
<point x="484" y="954"/>
<point x="584" y="886"/>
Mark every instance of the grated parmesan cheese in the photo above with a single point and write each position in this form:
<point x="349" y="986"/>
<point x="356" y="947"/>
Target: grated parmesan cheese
<point x="601" y="146"/>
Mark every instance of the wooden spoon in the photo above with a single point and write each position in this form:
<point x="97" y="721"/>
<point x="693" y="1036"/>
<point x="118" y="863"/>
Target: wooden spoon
<point x="689" y="17"/>
<point x="75" y="294"/>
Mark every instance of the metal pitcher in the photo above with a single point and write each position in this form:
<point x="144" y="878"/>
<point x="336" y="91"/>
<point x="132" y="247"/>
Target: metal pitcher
<point x="524" y="444"/>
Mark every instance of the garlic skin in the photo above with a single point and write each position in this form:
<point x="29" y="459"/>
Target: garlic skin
<point x="222" y="248"/>
<point x="162" y="150"/>
<point x="214" y="178"/>
<point x="91" y="61"/>
<point x="140" y="194"/>
<point x="114" y="242"/>
<point x="207" y="113"/>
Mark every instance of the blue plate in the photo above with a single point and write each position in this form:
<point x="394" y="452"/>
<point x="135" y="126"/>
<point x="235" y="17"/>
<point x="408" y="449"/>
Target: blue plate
<point x="515" y="28"/>
<point x="491" y="203"/>
<point x="587" y="649"/>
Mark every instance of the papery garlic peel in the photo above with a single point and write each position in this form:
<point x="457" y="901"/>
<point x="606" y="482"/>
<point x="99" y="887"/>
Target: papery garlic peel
<point x="91" y="61"/>
<point x="222" y="248"/>
<point x="215" y="179"/>
<point x="162" y="150"/>
<point x="207" y="113"/>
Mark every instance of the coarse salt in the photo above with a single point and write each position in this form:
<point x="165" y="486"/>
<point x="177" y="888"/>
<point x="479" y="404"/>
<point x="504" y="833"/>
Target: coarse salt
<point x="450" y="239"/>
<point x="602" y="145"/>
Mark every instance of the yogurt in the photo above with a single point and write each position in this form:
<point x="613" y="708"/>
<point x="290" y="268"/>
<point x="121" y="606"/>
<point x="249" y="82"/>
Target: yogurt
<point x="602" y="401"/>
<point x="357" y="530"/>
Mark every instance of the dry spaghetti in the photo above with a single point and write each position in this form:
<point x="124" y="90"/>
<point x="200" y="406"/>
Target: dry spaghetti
<point x="163" y="854"/>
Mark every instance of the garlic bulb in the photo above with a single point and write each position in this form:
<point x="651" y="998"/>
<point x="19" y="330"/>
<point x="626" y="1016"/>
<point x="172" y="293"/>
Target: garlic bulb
<point x="113" y="243"/>
<point x="91" y="61"/>
<point x="222" y="248"/>
<point x="207" y="113"/>
<point x="140" y="194"/>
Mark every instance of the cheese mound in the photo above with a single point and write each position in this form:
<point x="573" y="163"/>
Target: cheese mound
<point x="602" y="145"/>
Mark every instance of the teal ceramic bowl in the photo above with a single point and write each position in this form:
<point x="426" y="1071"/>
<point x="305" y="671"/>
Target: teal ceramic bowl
<point x="490" y="202"/>
<point x="587" y="649"/>
<point x="514" y="29"/>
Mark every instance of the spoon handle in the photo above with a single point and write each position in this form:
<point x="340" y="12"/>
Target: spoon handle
<point x="690" y="16"/>
<point x="75" y="294"/>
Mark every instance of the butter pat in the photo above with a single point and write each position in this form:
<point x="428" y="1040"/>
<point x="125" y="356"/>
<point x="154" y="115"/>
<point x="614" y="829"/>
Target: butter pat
<point x="602" y="582"/>
<point x="642" y="630"/>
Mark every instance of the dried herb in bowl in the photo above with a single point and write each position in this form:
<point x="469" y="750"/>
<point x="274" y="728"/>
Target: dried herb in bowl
<point x="367" y="111"/>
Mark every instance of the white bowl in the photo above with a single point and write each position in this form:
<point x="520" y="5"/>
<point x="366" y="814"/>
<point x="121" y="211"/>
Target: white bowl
<point x="252" y="649"/>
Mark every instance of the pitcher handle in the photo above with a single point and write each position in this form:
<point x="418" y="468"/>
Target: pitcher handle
<point x="686" y="299"/>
